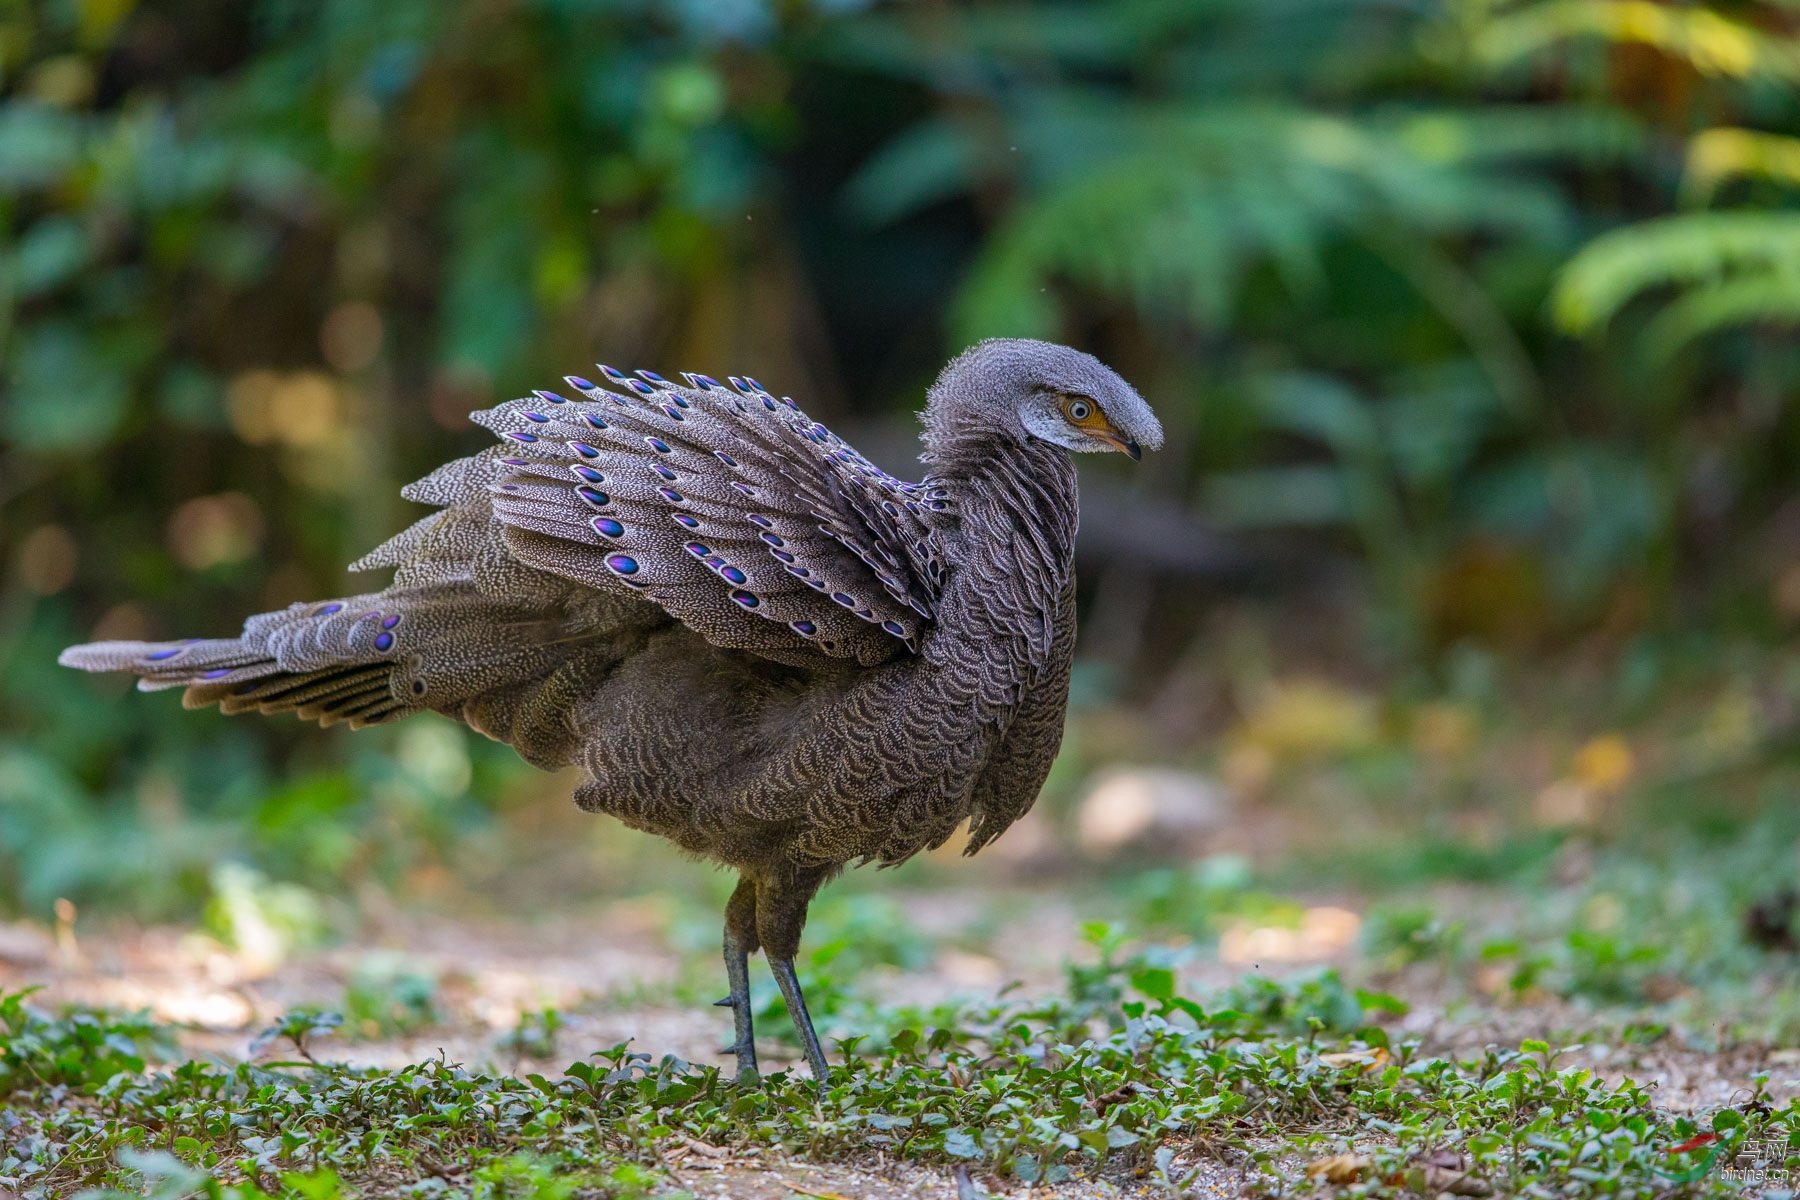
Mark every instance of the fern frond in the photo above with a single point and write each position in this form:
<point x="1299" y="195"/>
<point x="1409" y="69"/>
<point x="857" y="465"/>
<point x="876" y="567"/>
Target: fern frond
<point x="932" y="161"/>
<point x="1716" y="155"/>
<point x="1593" y="135"/>
<point x="1713" y="44"/>
<point x="1767" y="297"/>
<point x="1186" y="203"/>
<point x="1695" y="248"/>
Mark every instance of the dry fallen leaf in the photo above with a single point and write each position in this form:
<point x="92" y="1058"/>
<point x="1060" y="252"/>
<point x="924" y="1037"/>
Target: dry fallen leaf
<point x="1367" y="1060"/>
<point x="1338" y="1168"/>
<point x="1444" y="1171"/>
<point x="806" y="1191"/>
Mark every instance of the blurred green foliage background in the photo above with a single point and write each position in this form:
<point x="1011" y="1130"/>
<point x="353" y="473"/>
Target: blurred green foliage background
<point x="1478" y="311"/>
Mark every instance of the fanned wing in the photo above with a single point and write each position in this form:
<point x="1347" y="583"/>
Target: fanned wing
<point x="732" y="510"/>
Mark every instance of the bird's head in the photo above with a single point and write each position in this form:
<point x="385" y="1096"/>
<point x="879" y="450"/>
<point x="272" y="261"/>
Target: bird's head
<point x="1038" y="390"/>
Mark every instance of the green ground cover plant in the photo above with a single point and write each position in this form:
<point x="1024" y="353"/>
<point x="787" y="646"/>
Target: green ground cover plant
<point x="1121" y="1074"/>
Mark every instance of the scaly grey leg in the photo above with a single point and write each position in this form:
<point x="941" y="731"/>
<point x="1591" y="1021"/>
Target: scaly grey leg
<point x="737" y="971"/>
<point x="783" y="969"/>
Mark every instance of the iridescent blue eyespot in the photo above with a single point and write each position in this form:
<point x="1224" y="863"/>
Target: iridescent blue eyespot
<point x="390" y="622"/>
<point x="685" y="520"/>
<point x="640" y="387"/>
<point x="725" y="458"/>
<point x="588" y="473"/>
<point x="607" y="527"/>
<point x="548" y="397"/>
<point x="774" y="539"/>
<point x="622" y="564"/>
<point x="733" y="574"/>
<point x="783" y="555"/>
<point x="671" y="495"/>
<point x="679" y="402"/>
<point x="804" y="628"/>
<point x="594" y="420"/>
<point x="846" y="601"/>
<point x="593" y="496"/>
<point x="583" y="449"/>
<point x="384" y="641"/>
<point x="698" y="550"/>
<point x="657" y="444"/>
<point x="663" y="471"/>
<point x="759" y="519"/>
<point x="894" y="627"/>
<point x="539" y="417"/>
<point x="576" y="381"/>
<point x="327" y="610"/>
<point x="515" y="462"/>
<point x="744" y="488"/>
<point x="521" y="437"/>
<point x="747" y="599"/>
<point x="217" y="673"/>
<point x="611" y="373"/>
<point x="769" y="403"/>
<point x="674" y="413"/>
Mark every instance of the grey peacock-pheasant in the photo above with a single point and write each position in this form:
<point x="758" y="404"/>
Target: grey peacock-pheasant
<point x="753" y="641"/>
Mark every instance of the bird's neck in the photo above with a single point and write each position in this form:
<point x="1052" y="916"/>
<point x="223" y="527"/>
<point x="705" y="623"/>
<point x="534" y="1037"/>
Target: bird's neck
<point x="1016" y="504"/>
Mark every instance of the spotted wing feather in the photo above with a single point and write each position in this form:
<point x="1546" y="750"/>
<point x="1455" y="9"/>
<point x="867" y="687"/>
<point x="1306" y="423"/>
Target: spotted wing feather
<point x="742" y="518"/>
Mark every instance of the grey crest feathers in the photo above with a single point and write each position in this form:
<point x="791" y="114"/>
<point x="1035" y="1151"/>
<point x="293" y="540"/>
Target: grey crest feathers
<point x="753" y="640"/>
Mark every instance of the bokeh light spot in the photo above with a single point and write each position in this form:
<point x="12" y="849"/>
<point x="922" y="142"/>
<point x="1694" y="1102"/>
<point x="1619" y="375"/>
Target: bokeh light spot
<point x="350" y="336"/>
<point x="209" y="531"/>
<point x="47" y="559"/>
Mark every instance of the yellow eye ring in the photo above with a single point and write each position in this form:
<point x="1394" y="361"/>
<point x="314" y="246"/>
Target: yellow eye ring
<point x="1082" y="413"/>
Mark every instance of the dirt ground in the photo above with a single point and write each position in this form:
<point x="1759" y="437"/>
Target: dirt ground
<point x="611" y="971"/>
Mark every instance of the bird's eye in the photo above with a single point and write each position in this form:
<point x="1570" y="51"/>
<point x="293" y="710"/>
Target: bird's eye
<point x="1081" y="412"/>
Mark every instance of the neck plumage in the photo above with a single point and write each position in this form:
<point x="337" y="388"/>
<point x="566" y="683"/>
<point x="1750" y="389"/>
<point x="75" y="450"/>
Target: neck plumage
<point x="1016" y="504"/>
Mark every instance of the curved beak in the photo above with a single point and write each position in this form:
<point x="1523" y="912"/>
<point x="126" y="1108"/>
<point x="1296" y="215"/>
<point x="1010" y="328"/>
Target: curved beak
<point x="1121" y="443"/>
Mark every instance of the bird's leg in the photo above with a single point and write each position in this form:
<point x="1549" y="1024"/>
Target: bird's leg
<point x="740" y="940"/>
<point x="781" y="904"/>
<point x="783" y="969"/>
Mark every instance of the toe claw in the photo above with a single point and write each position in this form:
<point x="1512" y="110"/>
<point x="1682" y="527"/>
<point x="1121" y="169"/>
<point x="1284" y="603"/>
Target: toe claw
<point x="727" y="1002"/>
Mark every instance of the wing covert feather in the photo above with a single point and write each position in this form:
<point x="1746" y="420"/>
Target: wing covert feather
<point x="757" y="527"/>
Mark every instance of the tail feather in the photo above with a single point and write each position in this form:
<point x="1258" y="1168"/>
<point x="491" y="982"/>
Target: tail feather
<point x="329" y="662"/>
<point x="368" y="660"/>
<point x="240" y="677"/>
<point x="465" y="630"/>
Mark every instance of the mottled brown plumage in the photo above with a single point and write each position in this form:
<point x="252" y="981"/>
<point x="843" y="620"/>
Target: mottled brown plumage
<point x="754" y="642"/>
